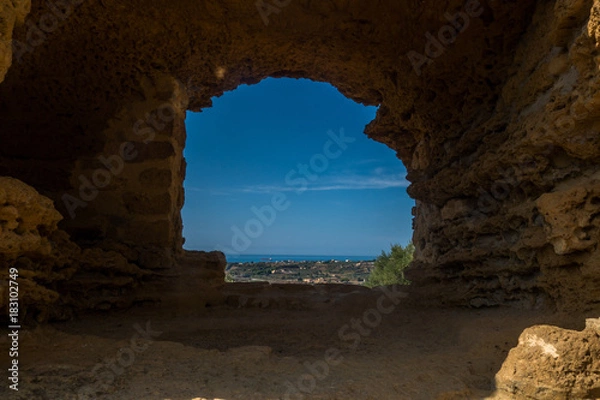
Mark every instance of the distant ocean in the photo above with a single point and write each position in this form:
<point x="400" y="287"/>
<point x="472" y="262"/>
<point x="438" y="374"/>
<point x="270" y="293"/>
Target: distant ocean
<point x="246" y="258"/>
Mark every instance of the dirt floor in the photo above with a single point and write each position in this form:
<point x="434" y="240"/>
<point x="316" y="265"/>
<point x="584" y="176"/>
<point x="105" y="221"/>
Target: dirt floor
<point x="276" y="342"/>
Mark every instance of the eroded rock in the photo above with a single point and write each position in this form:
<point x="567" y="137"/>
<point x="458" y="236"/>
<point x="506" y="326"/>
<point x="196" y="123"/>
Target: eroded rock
<point x="551" y="363"/>
<point x="26" y="220"/>
<point x="12" y="12"/>
<point x="571" y="215"/>
<point x="55" y="276"/>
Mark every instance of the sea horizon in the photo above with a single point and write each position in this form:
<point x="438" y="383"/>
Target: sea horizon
<point x="246" y="258"/>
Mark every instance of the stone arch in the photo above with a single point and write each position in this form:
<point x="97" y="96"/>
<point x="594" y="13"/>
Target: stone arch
<point x="461" y="120"/>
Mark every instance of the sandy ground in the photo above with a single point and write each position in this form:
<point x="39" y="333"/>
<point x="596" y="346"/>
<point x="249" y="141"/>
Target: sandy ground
<point x="277" y="344"/>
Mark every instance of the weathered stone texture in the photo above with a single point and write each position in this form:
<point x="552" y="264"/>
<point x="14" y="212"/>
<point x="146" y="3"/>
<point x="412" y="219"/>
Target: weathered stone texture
<point x="12" y="12"/>
<point x="513" y="220"/>
<point x="551" y="363"/>
<point x="57" y="277"/>
<point x="54" y="275"/>
<point x="26" y="220"/>
<point x="498" y="130"/>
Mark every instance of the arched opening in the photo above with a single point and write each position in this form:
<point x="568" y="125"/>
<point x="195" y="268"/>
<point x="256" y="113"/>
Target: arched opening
<point x="492" y="105"/>
<point x="281" y="170"/>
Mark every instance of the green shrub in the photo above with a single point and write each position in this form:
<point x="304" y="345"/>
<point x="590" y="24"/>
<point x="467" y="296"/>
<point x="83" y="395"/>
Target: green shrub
<point x="389" y="267"/>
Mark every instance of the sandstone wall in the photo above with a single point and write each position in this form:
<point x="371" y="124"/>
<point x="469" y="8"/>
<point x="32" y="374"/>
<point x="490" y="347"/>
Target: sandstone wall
<point x="91" y="74"/>
<point x="56" y="277"/>
<point x="517" y="218"/>
<point x="12" y="12"/>
<point x="131" y="192"/>
<point x="498" y="127"/>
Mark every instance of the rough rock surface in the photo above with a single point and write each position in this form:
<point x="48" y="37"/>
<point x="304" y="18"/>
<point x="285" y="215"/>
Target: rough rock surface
<point x="489" y="225"/>
<point x="56" y="276"/>
<point x="496" y="128"/>
<point x="12" y="12"/>
<point x="26" y="220"/>
<point x="550" y="363"/>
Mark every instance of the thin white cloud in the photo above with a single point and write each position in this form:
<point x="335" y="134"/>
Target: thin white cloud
<point x="377" y="179"/>
<point x="346" y="182"/>
<point x="212" y="192"/>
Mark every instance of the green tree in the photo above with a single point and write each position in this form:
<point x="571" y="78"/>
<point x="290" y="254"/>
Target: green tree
<point x="389" y="267"/>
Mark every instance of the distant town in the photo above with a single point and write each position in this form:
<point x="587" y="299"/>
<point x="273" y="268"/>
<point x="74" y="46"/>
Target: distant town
<point x="306" y="272"/>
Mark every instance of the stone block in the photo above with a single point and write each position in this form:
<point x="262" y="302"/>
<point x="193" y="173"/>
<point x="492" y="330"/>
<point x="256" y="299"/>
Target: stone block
<point x="158" y="233"/>
<point x="144" y="204"/>
<point x="156" y="178"/>
<point x="151" y="151"/>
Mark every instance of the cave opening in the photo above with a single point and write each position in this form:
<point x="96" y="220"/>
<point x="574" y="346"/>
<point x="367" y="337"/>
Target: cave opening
<point x="147" y="320"/>
<point x="281" y="171"/>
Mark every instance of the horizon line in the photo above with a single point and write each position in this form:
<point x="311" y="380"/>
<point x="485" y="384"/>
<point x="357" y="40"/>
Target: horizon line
<point x="303" y="255"/>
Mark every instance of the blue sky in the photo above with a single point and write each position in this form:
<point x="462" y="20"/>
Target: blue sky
<point x="283" y="167"/>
